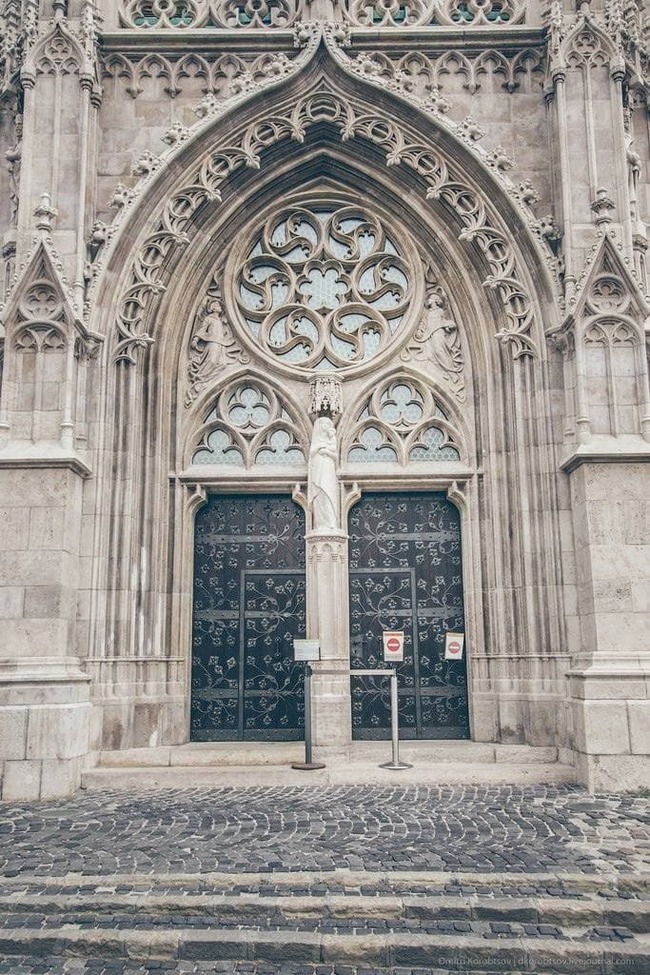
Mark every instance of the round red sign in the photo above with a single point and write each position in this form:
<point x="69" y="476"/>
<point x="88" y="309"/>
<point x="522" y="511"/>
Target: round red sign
<point x="393" y="644"/>
<point x="454" y="646"/>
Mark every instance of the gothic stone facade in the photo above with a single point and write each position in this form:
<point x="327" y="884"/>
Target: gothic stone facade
<point x="222" y="217"/>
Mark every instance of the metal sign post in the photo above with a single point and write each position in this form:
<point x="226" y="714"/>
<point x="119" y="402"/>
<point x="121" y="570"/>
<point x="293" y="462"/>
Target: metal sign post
<point x="395" y="762"/>
<point x="307" y="650"/>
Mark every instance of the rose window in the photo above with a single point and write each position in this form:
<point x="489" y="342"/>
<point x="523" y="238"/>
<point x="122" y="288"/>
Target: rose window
<point x="324" y="287"/>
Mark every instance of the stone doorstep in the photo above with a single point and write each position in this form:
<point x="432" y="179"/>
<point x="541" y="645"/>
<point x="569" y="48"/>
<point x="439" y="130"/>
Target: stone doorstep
<point x="227" y="754"/>
<point x="634" y="915"/>
<point x="473" y="953"/>
<point x="334" y="774"/>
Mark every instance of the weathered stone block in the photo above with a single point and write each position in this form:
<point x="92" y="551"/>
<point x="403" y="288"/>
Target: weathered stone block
<point x="13" y="733"/>
<point x="11" y="602"/>
<point x="639" y="719"/>
<point x="601" y="727"/>
<point x="21" y="780"/>
<point x="59" y="732"/>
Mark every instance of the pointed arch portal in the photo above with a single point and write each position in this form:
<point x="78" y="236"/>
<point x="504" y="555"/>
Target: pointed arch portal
<point x="345" y="237"/>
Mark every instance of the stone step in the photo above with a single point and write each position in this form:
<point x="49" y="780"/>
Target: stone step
<point x="474" y="953"/>
<point x="243" y="753"/>
<point x="264" y="763"/>
<point x="621" y="917"/>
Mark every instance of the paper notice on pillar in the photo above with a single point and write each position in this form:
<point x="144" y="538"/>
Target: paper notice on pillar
<point x="454" y="646"/>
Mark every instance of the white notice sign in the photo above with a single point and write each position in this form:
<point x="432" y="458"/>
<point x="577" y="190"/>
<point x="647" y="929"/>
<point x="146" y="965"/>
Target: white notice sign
<point x="393" y="646"/>
<point x="306" y="650"/>
<point x="454" y="645"/>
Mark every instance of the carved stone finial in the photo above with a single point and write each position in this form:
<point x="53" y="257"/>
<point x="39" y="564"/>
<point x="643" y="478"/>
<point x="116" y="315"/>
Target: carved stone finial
<point x="325" y="396"/>
<point x="602" y="207"/>
<point x="45" y="213"/>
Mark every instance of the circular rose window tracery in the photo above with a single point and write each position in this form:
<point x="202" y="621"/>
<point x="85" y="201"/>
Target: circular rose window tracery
<point x="324" y="286"/>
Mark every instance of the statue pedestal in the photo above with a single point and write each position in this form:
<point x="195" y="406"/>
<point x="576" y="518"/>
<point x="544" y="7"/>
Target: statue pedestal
<point x="328" y="620"/>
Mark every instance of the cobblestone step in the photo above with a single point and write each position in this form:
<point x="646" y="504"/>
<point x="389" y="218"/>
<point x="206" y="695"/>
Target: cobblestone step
<point x="466" y="950"/>
<point x="25" y="965"/>
<point x="622" y="917"/>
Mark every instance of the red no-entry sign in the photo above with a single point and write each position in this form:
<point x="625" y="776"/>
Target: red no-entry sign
<point x="393" y="645"/>
<point x="454" y="644"/>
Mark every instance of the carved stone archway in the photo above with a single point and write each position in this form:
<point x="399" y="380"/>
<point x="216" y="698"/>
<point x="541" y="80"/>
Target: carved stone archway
<point x="496" y="281"/>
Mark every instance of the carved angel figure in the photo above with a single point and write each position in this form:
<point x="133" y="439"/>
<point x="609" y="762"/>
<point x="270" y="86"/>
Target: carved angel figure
<point x="437" y="340"/>
<point x="322" y="485"/>
<point x="210" y="348"/>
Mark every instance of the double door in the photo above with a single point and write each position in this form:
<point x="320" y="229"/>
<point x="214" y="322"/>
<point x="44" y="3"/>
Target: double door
<point x="249" y="604"/>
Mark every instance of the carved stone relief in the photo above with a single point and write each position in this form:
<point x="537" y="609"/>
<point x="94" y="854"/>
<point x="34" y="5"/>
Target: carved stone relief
<point x="212" y="346"/>
<point x="436" y="342"/>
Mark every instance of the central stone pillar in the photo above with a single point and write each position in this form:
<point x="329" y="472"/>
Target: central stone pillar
<point x="328" y="621"/>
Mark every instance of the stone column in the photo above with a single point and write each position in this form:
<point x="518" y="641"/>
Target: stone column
<point x="328" y="612"/>
<point x="610" y="678"/>
<point x="328" y="617"/>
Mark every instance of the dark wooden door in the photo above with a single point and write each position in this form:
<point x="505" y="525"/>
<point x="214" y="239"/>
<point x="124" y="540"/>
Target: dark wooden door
<point x="405" y="574"/>
<point x="249" y="604"/>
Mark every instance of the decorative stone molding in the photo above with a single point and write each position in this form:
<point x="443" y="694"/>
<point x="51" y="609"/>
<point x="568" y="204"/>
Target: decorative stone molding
<point x="587" y="46"/>
<point x="222" y="77"/>
<point x="249" y="14"/>
<point x="602" y="207"/>
<point x="184" y="14"/>
<point x="434" y="13"/>
<point x="605" y="340"/>
<point x="327" y="106"/>
<point x="424" y="73"/>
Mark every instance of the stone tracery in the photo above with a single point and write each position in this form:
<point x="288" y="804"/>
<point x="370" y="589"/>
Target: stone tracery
<point x="248" y="426"/>
<point x="293" y="123"/>
<point x="402" y="422"/>
<point x="324" y="286"/>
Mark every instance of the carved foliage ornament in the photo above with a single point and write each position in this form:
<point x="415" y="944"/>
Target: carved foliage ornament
<point x="324" y="286"/>
<point x="292" y="123"/>
<point x="247" y="427"/>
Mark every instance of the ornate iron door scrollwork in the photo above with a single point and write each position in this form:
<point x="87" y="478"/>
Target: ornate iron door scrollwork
<point x="405" y="574"/>
<point x="249" y="604"/>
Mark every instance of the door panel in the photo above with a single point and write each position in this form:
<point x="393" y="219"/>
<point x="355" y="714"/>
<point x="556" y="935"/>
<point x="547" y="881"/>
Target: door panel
<point x="249" y="604"/>
<point x="405" y="574"/>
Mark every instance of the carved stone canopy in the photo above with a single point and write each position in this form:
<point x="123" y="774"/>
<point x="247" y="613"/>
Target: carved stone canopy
<point x="325" y="396"/>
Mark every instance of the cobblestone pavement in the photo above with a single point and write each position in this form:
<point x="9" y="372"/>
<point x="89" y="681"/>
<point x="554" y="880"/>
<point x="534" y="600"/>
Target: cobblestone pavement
<point x="505" y="829"/>
<point x="77" y="966"/>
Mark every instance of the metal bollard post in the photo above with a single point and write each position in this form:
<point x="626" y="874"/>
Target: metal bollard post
<point x="308" y="765"/>
<point x="394" y="727"/>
